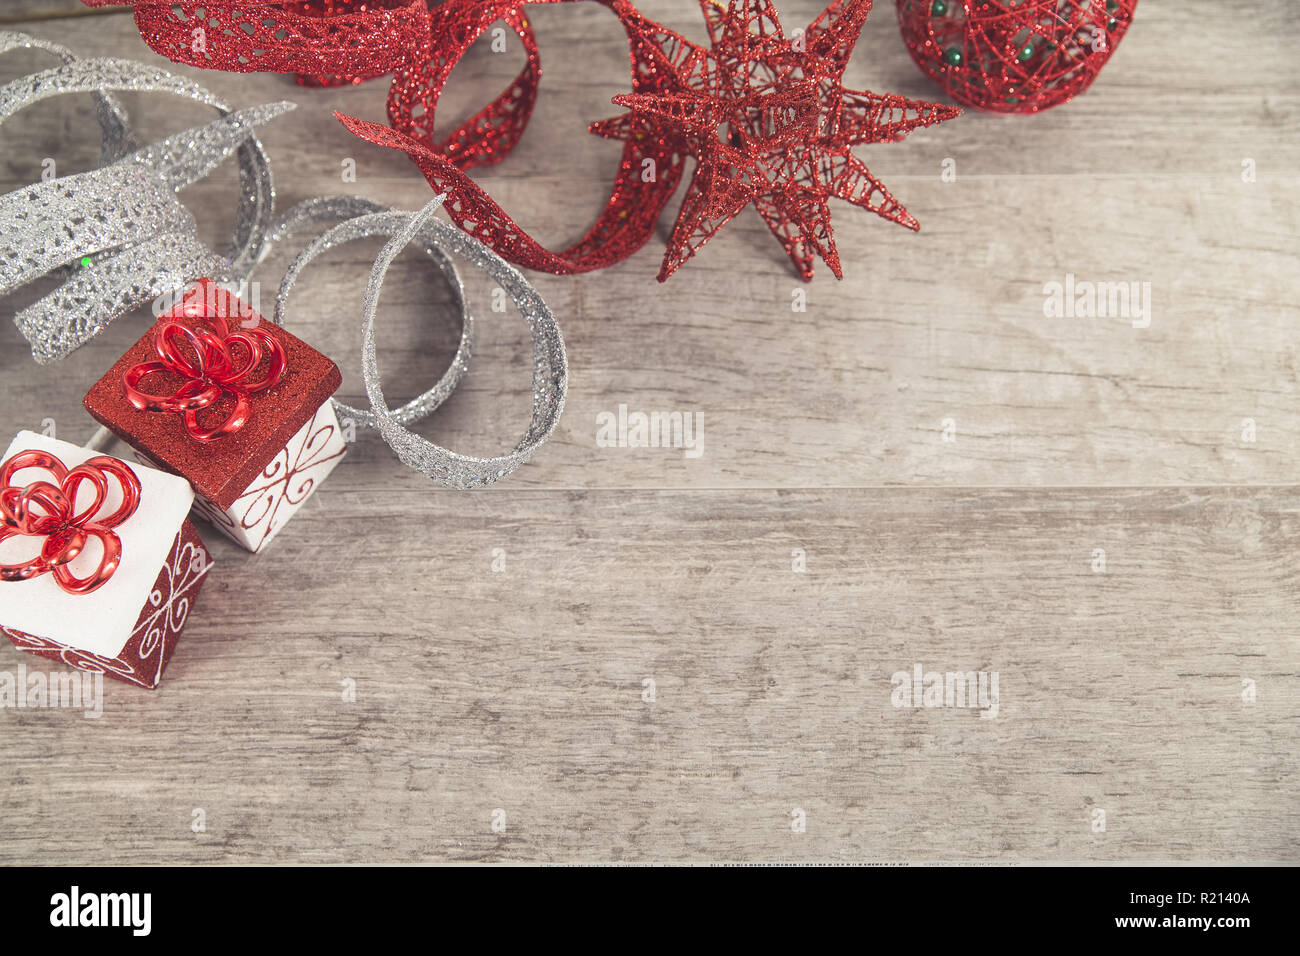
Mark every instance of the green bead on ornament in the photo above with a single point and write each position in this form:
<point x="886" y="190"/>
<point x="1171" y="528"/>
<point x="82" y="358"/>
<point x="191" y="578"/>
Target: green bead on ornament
<point x="1012" y="56"/>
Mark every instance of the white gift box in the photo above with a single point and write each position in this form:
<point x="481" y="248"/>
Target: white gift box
<point x="128" y="626"/>
<point x="283" y="486"/>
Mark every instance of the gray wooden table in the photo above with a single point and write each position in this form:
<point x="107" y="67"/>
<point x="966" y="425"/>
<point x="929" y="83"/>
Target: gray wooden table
<point x="650" y="677"/>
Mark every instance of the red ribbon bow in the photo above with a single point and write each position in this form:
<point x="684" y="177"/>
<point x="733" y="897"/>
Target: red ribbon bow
<point x="64" y="528"/>
<point x="211" y="370"/>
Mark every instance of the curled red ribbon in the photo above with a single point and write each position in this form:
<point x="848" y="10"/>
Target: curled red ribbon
<point x="333" y="42"/>
<point x="326" y="42"/>
<point x="210" y="369"/>
<point x="48" y="510"/>
<point x="766" y="117"/>
<point x="648" y="173"/>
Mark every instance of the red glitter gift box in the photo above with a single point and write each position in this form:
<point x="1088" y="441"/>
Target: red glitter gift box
<point x="234" y="404"/>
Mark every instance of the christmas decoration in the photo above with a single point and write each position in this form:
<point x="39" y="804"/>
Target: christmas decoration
<point x="218" y="363"/>
<point x="136" y="242"/>
<point x="334" y="210"/>
<point x="771" y="124"/>
<point x="212" y="392"/>
<point x="270" y="437"/>
<point x="491" y="133"/>
<point x="327" y="42"/>
<point x="118" y="567"/>
<point x="550" y="365"/>
<point x="766" y="117"/>
<point x="1013" y="56"/>
<point x="49" y="511"/>
<point x="648" y="172"/>
<point x="115" y="131"/>
<point x="117" y="234"/>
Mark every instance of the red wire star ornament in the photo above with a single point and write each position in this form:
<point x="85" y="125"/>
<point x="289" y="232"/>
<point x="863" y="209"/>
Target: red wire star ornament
<point x="770" y="123"/>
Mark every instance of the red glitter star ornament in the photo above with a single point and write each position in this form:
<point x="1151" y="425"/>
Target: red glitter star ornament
<point x="770" y="122"/>
<point x="766" y="117"/>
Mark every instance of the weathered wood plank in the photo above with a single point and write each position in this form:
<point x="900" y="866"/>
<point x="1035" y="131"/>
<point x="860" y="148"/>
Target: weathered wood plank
<point x="523" y="689"/>
<point x="26" y="12"/>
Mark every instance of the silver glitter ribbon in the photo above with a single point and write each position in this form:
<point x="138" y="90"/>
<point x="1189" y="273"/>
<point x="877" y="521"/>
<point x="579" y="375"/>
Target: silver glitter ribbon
<point x="117" y="139"/>
<point x="550" y="365"/>
<point x="136" y="242"/>
<point x="123" y="221"/>
<point x="362" y="218"/>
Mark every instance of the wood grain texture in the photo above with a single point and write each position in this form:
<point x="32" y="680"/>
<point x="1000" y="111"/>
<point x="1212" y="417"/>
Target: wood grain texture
<point x="523" y="689"/>
<point x="24" y="12"/>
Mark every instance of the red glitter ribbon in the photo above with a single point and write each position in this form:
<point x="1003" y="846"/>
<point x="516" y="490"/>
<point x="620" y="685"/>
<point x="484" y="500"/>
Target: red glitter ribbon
<point x="48" y="510"/>
<point x="765" y="115"/>
<point x="322" y="38"/>
<point x="206" y="359"/>
<point x="334" y="42"/>
<point x="636" y="198"/>
<point x="326" y="42"/>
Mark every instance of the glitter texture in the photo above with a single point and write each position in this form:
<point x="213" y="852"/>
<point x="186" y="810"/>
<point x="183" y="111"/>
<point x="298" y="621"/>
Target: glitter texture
<point x="765" y="116"/>
<point x="1013" y="56"/>
<point x="117" y="137"/>
<point x="629" y="217"/>
<point x="326" y="42"/>
<point x="550" y="366"/>
<point x="489" y="135"/>
<point x="132" y="240"/>
<point x="770" y="123"/>
<point x="109" y="73"/>
<point x="318" y="38"/>
<point x="365" y="218"/>
<point x="219" y="470"/>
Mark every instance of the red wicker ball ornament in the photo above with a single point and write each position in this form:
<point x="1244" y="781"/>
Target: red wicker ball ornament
<point x="1013" y="56"/>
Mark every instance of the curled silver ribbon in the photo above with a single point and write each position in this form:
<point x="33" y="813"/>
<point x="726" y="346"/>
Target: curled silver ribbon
<point x="363" y="218"/>
<point x="69" y="220"/>
<point x="550" y="364"/>
<point x="136" y="242"/>
<point x="117" y="139"/>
